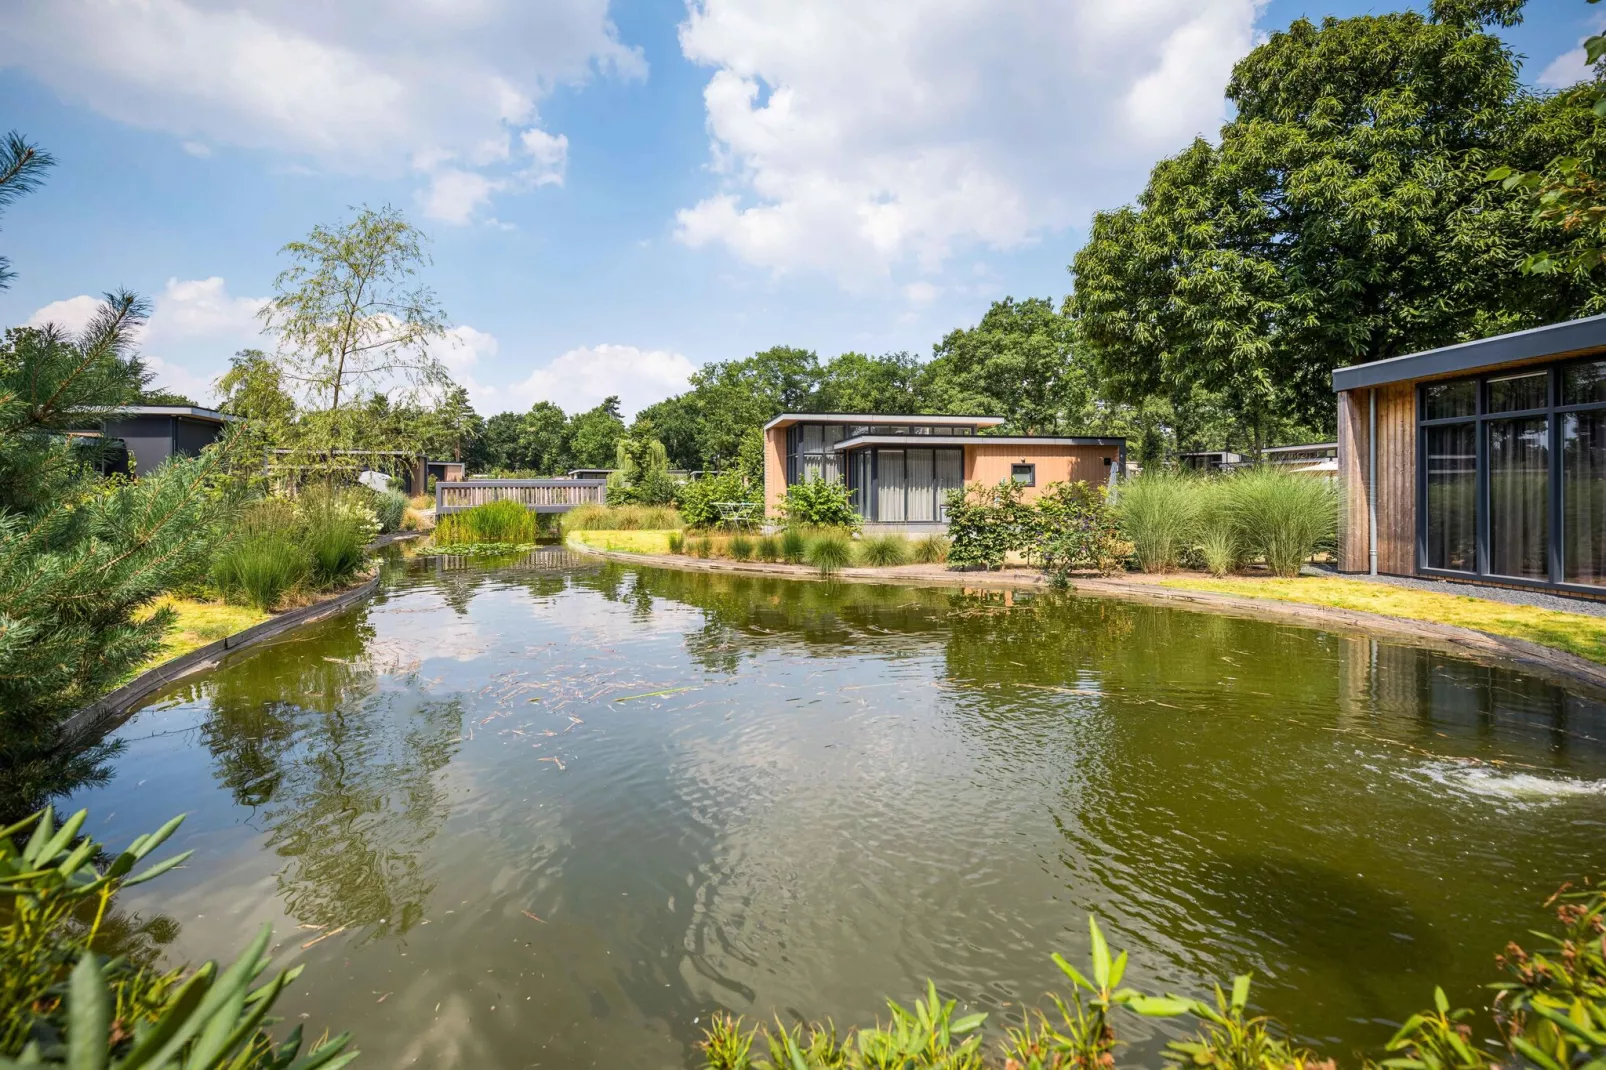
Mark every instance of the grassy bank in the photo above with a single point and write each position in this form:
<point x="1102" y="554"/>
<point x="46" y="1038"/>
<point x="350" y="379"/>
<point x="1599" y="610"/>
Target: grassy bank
<point x="1576" y="633"/>
<point x="628" y="542"/>
<point x="198" y="623"/>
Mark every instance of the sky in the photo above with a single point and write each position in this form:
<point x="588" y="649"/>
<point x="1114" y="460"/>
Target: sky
<point x="614" y="192"/>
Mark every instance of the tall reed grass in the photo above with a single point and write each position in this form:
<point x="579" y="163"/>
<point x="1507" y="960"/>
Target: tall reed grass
<point x="881" y="551"/>
<point x="494" y="522"/>
<point x="931" y="550"/>
<point x="1282" y="516"/>
<point x="1158" y="512"/>
<point x="829" y="551"/>
<point x="623" y="518"/>
<point x="262" y="558"/>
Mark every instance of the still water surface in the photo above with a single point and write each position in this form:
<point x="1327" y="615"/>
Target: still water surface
<point x="554" y="813"/>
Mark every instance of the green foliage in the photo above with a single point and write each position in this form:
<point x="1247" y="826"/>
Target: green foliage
<point x="703" y="547"/>
<point x="880" y="551"/>
<point x="262" y="557"/>
<point x="594" y="435"/>
<point x="1344" y="216"/>
<point x="740" y="548"/>
<point x="1019" y="362"/>
<point x="65" y="1003"/>
<point x="390" y="509"/>
<point x="22" y="169"/>
<point x="1281" y="516"/>
<point x="1158" y="512"/>
<point x="828" y="551"/>
<point x="931" y="550"/>
<point x="621" y="518"/>
<point x="494" y="522"/>
<point x="698" y="499"/>
<point x="792" y="546"/>
<point x="986" y="523"/>
<point x="819" y="503"/>
<point x="768" y="548"/>
<point x="677" y="542"/>
<point x="336" y="527"/>
<point x="1074" y="529"/>
<point x="641" y="470"/>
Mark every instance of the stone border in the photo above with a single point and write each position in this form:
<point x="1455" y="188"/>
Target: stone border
<point x="1569" y="669"/>
<point x="99" y="715"/>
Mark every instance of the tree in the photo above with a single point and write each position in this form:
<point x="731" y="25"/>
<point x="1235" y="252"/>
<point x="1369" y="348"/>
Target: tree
<point x="22" y="168"/>
<point x="352" y="322"/>
<point x="594" y="435"/>
<point x="641" y="469"/>
<point x="854" y="382"/>
<point x="1344" y="217"/>
<point x="450" y="428"/>
<point x="734" y="397"/>
<point x="1019" y="362"/>
<point x="544" y="439"/>
<point x="498" y="448"/>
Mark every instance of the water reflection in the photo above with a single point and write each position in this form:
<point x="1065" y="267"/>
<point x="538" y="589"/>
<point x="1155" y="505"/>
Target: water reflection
<point x="561" y="810"/>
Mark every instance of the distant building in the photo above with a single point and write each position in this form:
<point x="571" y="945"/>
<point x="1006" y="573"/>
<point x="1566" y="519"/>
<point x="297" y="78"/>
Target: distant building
<point x="153" y="433"/>
<point x="1211" y="460"/>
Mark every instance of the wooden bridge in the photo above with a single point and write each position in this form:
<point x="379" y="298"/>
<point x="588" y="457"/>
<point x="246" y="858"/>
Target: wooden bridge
<point x="538" y="495"/>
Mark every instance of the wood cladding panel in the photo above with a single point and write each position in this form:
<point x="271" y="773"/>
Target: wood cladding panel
<point x="1352" y="460"/>
<point x="1396" y="479"/>
<point x="1055" y="464"/>
<point x="774" y="470"/>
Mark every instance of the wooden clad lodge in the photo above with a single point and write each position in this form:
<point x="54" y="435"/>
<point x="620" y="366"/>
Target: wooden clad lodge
<point x="899" y="468"/>
<point x="1482" y="461"/>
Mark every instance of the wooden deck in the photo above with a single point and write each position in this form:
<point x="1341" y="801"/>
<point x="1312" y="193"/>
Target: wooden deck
<point x="537" y="495"/>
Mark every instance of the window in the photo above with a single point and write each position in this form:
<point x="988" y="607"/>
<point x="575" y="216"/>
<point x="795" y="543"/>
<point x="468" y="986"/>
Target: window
<point x="1024" y="474"/>
<point x="1512" y="482"/>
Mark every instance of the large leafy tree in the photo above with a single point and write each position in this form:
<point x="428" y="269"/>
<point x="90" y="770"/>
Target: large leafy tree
<point x="855" y="382"/>
<point x="594" y="435"/>
<point x="1019" y="362"/>
<point x="1344" y="217"/>
<point x="544" y="437"/>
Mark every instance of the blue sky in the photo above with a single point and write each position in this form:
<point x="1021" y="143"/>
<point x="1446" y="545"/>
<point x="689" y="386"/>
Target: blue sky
<point x="615" y="192"/>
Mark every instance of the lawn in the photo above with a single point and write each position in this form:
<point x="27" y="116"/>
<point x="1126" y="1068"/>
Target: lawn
<point x="199" y="623"/>
<point x="630" y="542"/>
<point x="1576" y="633"/>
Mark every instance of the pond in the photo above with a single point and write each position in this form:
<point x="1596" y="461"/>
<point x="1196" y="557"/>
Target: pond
<point x="553" y="813"/>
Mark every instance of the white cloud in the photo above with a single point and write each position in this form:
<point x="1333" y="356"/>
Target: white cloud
<point x="368" y="86"/>
<point x="865" y="139"/>
<point x="581" y="378"/>
<point x="455" y="195"/>
<point x="1572" y="67"/>
<point x="195" y="326"/>
<point x="197" y="148"/>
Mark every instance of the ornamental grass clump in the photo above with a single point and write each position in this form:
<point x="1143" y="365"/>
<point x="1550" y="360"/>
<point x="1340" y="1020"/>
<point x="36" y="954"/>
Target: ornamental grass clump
<point x="882" y="551"/>
<point x="677" y="542"/>
<point x="622" y="518"/>
<point x="262" y="557"/>
<point x="1158" y="512"/>
<point x="703" y="547"/>
<point x="390" y="507"/>
<point x="1281" y="516"/>
<point x="494" y="522"/>
<point x="829" y="551"/>
<point x="1220" y="542"/>
<point x="768" y="549"/>
<point x="740" y="548"/>
<point x="793" y="546"/>
<point x="931" y="550"/>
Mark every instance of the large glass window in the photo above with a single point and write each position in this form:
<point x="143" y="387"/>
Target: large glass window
<point x="1583" y="496"/>
<point x="1514" y="393"/>
<point x="1519" y="498"/>
<point x="1443" y="400"/>
<point x="1584" y="384"/>
<point x="1452" y="497"/>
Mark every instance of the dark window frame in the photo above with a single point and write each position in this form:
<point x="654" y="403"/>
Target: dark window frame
<point x="1554" y="412"/>
<point x="1031" y="474"/>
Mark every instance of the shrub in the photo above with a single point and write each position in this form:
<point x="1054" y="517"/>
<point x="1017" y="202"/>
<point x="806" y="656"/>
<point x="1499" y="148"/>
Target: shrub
<point x="390" y="507"/>
<point x="677" y="542"/>
<point x="1075" y="529"/>
<point x="829" y="551"/>
<point x="740" y="548"/>
<point x="703" y="547"/>
<point x="698" y="499"/>
<point x="769" y="548"/>
<point x="793" y="546"/>
<point x="62" y="997"/>
<point x="931" y="550"/>
<point x="1282" y="516"/>
<point x="500" y="521"/>
<point x="259" y="569"/>
<point x="1158" y="512"/>
<point x="986" y="523"/>
<point x="880" y="551"/>
<point x="819" y="503"/>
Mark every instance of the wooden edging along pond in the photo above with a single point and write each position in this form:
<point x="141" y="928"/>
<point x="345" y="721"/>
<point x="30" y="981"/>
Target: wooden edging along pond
<point x="1463" y="642"/>
<point x="110" y="708"/>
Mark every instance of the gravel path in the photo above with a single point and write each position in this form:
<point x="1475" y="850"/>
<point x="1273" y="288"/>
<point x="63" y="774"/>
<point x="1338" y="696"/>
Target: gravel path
<point x="1509" y="595"/>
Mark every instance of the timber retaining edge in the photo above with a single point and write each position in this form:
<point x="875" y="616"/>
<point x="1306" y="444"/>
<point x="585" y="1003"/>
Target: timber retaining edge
<point x="1486" y="647"/>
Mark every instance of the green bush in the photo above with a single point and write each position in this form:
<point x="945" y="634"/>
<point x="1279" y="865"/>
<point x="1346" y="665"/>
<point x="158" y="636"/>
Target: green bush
<point x="71" y="997"/>
<point x="698" y="499"/>
<point x="1158" y="512"/>
<point x="793" y="546"/>
<point x="622" y="518"/>
<point x="261" y="556"/>
<point x="703" y="547"/>
<point x="821" y="503"/>
<point x="335" y="529"/>
<point x="677" y="542"/>
<point x="1075" y="529"/>
<point x="769" y="548"/>
<point x="390" y="506"/>
<point x="987" y="523"/>
<point x="499" y="521"/>
<point x="829" y="551"/>
<point x="931" y="550"/>
<point x="881" y="551"/>
<point x="1281" y="516"/>
<point x="1549" y="1014"/>
<point x="740" y="548"/>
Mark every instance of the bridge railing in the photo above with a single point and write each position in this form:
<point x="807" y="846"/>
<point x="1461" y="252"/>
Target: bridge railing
<point x="539" y="495"/>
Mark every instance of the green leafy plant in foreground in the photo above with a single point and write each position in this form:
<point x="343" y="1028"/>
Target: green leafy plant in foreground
<point x="1550" y="1014"/>
<point x="63" y="1003"/>
<point x="829" y="551"/>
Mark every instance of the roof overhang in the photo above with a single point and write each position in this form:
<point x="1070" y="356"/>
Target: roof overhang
<point x="920" y="441"/>
<point x="786" y="419"/>
<point x="191" y="412"/>
<point x="1556" y="340"/>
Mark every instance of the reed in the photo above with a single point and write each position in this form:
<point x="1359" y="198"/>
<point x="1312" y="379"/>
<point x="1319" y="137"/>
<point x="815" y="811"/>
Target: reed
<point x="829" y="551"/>
<point x="883" y="551"/>
<point x="931" y="550"/>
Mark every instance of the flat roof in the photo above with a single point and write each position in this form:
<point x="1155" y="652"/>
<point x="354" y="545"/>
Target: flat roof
<point x="920" y="441"/>
<point x="194" y="412"/>
<point x="787" y="418"/>
<point x="1303" y="446"/>
<point x="1552" y="340"/>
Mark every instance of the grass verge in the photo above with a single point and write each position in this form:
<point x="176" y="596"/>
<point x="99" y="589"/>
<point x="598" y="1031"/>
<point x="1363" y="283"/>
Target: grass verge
<point x="199" y="623"/>
<point x="619" y="541"/>
<point x="1576" y="633"/>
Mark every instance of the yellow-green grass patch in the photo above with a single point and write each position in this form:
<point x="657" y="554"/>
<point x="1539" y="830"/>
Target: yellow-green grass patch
<point x="1576" y="633"/>
<point x="198" y="623"/>
<point x="629" y="542"/>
